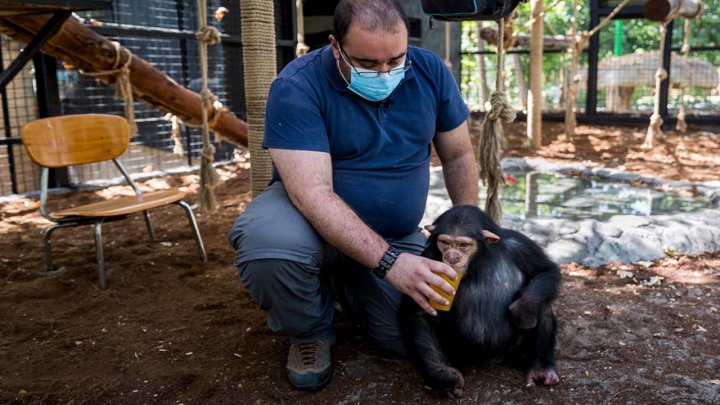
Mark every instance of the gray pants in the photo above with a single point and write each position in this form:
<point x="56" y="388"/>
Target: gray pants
<point x="293" y="274"/>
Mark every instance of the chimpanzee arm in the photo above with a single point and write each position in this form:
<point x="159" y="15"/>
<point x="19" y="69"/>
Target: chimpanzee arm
<point x="421" y="340"/>
<point x="542" y="278"/>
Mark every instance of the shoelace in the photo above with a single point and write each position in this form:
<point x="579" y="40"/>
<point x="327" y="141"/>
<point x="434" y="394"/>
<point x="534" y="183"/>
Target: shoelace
<point x="308" y="352"/>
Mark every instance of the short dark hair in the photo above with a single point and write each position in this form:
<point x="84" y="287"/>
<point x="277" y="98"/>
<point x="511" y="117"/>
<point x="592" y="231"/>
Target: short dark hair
<point x="371" y="14"/>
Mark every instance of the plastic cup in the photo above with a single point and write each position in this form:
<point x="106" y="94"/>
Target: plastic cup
<point x="454" y="284"/>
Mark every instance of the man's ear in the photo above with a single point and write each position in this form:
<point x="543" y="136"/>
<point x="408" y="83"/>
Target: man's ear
<point x="334" y="46"/>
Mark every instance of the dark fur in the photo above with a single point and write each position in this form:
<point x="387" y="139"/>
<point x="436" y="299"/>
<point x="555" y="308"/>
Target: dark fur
<point x="481" y="326"/>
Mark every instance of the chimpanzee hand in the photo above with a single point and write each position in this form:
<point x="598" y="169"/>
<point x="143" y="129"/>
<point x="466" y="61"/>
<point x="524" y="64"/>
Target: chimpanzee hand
<point x="447" y="380"/>
<point x="524" y="313"/>
<point x="412" y="275"/>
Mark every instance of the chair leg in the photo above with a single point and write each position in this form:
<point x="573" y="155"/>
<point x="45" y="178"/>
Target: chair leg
<point x="47" y="232"/>
<point x="100" y="256"/>
<point x="195" y="229"/>
<point x="149" y="226"/>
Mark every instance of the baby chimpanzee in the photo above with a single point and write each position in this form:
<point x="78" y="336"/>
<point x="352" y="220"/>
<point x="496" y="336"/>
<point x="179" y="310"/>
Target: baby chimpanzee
<point x="501" y="312"/>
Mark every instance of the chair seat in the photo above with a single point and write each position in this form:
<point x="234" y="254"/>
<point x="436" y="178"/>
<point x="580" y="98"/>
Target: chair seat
<point x="124" y="205"/>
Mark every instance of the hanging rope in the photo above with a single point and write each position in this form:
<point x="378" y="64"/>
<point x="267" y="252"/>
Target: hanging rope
<point x="490" y="143"/>
<point x="681" y="125"/>
<point x="656" y="121"/>
<point x="206" y="35"/>
<point x="123" y="88"/>
<point x="176" y="133"/>
<point x="448" y="63"/>
<point x="301" y="48"/>
<point x="580" y="41"/>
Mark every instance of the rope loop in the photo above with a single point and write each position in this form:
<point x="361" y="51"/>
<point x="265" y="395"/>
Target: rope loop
<point x="661" y="74"/>
<point x="656" y="121"/>
<point x="209" y="35"/>
<point x="123" y="87"/>
<point x="208" y="152"/>
<point x="301" y="49"/>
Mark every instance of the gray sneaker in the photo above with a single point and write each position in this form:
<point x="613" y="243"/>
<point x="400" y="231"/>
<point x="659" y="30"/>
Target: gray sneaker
<point x="308" y="364"/>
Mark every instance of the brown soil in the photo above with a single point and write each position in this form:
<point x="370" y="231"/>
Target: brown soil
<point x="171" y="329"/>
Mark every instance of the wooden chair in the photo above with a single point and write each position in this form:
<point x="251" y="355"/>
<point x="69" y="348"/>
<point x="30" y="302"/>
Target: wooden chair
<point x="70" y="140"/>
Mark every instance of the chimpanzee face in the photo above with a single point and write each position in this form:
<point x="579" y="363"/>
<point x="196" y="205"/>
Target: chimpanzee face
<point x="457" y="251"/>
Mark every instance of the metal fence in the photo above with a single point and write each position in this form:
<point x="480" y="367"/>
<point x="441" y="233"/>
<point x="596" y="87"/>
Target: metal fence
<point x="159" y="31"/>
<point x="621" y="87"/>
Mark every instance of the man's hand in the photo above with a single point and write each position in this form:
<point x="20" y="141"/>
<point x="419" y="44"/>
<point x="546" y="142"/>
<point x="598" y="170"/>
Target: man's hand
<point x="412" y="275"/>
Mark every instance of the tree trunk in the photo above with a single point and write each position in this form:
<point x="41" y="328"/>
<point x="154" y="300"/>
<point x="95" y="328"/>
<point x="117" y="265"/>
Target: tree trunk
<point x="520" y="75"/>
<point x="482" y="71"/>
<point x="534" y="116"/>
<point x="259" y="62"/>
<point x="90" y="51"/>
<point x="571" y="83"/>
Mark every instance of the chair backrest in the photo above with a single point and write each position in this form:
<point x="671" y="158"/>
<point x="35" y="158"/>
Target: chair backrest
<point x="75" y="139"/>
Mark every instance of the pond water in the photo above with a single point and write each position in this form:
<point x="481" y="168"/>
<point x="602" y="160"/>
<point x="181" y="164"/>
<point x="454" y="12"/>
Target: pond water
<point x="543" y="195"/>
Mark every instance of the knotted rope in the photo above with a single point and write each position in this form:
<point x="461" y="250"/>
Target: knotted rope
<point x="491" y="135"/>
<point x="656" y="121"/>
<point x="209" y="179"/>
<point x="123" y="88"/>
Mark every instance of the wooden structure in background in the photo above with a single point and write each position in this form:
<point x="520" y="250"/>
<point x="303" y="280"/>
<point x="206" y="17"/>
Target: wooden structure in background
<point x="69" y="40"/>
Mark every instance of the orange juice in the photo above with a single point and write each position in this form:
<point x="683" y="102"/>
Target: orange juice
<point x="450" y="298"/>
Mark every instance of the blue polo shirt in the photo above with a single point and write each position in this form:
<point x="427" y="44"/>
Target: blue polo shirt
<point x="380" y="152"/>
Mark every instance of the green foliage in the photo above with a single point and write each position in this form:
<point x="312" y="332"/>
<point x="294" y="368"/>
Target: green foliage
<point x="638" y="35"/>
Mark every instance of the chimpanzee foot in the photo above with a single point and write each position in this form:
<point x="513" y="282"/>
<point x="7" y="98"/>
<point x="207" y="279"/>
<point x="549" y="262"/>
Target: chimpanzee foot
<point x="448" y="381"/>
<point x="541" y="376"/>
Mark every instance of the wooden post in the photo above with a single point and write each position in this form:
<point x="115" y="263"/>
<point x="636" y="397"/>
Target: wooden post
<point x="572" y="82"/>
<point x="520" y="76"/>
<point x="482" y="70"/>
<point x="534" y="116"/>
<point x="259" y="60"/>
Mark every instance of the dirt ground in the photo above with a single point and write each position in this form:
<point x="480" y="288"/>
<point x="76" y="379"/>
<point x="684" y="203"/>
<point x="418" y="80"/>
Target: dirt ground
<point x="171" y="329"/>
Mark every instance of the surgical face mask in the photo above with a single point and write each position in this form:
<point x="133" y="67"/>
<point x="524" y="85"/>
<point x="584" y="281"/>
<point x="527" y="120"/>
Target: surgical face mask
<point x="371" y="84"/>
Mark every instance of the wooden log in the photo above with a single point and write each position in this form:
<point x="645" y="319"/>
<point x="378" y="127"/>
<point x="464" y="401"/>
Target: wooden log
<point x="550" y="42"/>
<point x="660" y="10"/>
<point x="91" y="52"/>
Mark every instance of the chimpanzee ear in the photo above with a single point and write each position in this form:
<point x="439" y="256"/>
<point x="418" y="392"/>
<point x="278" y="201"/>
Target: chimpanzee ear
<point x="430" y="227"/>
<point x="490" y="237"/>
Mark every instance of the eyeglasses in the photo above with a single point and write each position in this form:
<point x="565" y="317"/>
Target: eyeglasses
<point x="394" y="71"/>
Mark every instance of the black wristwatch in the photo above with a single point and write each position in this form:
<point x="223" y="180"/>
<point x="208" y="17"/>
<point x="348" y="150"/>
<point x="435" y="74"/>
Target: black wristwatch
<point x="387" y="261"/>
